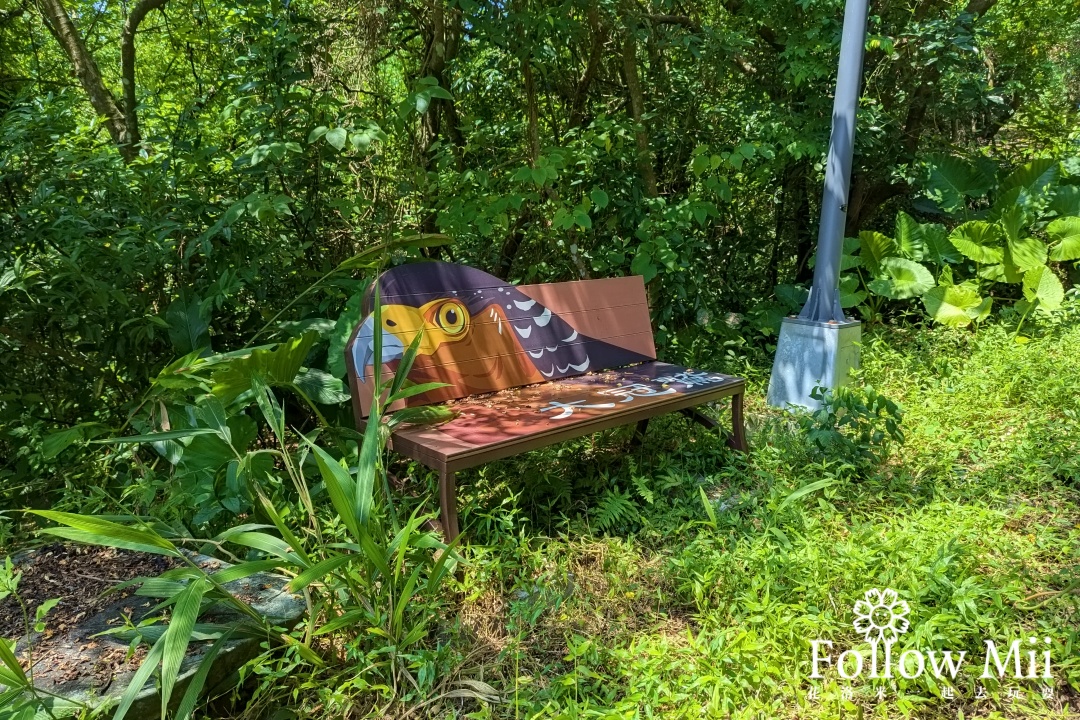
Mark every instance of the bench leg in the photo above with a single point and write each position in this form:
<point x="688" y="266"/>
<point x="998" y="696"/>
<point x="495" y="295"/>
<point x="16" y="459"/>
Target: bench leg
<point x="737" y="440"/>
<point x="448" y="504"/>
<point x="639" y="434"/>
<point x="700" y="418"/>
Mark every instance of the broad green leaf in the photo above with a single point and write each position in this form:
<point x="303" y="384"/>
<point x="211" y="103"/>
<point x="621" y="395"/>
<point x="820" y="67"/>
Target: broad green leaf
<point x="1026" y="253"/>
<point x="952" y="304"/>
<point x="1043" y="285"/>
<point x="277" y="366"/>
<point x="189" y="325"/>
<point x="900" y="279"/>
<point x="873" y="248"/>
<point x="321" y="387"/>
<point x="1022" y="253"/>
<point x="908" y="238"/>
<point x="55" y="443"/>
<point x="337" y="137"/>
<point x="792" y="296"/>
<point x="952" y="180"/>
<point x="939" y="250"/>
<point x="1037" y="177"/>
<point x="215" y="417"/>
<point x="339" y="337"/>
<point x="851" y="294"/>
<point x="982" y="312"/>
<point x="979" y="241"/>
<point x="1065" y="234"/>
<point x="1066" y="201"/>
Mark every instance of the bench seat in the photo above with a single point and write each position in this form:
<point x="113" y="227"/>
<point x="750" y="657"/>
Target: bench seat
<point x="510" y="422"/>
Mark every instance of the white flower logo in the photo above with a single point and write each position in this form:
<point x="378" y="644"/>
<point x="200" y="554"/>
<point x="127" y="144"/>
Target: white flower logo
<point x="881" y="616"/>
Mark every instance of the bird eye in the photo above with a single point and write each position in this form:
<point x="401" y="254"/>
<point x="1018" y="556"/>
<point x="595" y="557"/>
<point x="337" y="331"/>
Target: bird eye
<point x="452" y="318"/>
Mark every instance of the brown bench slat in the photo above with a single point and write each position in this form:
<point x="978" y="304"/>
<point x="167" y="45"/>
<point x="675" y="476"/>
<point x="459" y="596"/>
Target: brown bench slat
<point x="521" y="419"/>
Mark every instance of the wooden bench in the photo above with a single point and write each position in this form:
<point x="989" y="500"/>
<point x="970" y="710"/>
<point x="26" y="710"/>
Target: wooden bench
<point x="525" y="366"/>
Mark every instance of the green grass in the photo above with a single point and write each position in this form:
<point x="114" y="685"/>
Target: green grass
<point x="599" y="587"/>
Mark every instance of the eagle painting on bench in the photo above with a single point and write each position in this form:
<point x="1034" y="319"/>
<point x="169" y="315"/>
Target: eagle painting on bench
<point x="481" y="334"/>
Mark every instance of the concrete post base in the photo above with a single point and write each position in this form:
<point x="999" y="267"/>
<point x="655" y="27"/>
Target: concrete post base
<point x="810" y="353"/>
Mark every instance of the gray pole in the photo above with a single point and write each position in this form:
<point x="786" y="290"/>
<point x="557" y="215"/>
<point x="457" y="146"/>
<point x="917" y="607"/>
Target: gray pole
<point x="824" y="302"/>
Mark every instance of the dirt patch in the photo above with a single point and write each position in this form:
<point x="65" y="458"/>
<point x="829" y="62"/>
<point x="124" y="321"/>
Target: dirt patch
<point x="80" y="577"/>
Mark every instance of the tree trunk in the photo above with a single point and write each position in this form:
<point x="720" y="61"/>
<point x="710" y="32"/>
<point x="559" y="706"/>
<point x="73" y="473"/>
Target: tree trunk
<point x="637" y="111"/>
<point x="596" y="48"/>
<point x="122" y="122"/>
<point x="531" y="111"/>
<point x="127" y="67"/>
<point x="86" y="69"/>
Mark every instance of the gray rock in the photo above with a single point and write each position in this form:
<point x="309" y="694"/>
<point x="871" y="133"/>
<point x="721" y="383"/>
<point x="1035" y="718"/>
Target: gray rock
<point x="92" y="670"/>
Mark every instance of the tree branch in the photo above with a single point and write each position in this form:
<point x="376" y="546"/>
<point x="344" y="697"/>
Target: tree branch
<point x="86" y="69"/>
<point x="127" y="67"/>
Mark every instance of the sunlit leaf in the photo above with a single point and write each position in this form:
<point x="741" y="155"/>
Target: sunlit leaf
<point x="1043" y="285"/>
<point x="873" y="248"/>
<point x="952" y="304"/>
<point x="899" y="279"/>
<point x="908" y="239"/>
<point x="979" y="241"/>
<point x="1065" y="234"/>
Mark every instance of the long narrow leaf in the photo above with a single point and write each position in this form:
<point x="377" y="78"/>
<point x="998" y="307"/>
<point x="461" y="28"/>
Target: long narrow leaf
<point x="157" y="437"/>
<point x="413" y="390"/>
<point x="318" y="571"/>
<point x="268" y="544"/>
<point x="374" y="554"/>
<point x="406" y="363"/>
<point x="178" y="636"/>
<point x="367" y="467"/>
<point x="286" y="533"/>
<point x="402" y="601"/>
<point x="339" y="485"/>
<point x="95" y="531"/>
<point x="805" y="490"/>
<point x="198" y="680"/>
<point x="344" y="620"/>
<point x="243" y="570"/>
<point x="142" y="675"/>
<point x="12" y="666"/>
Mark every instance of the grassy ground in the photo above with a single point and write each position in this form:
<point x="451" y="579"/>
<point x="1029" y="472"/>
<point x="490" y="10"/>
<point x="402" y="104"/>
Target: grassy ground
<point x="600" y="588"/>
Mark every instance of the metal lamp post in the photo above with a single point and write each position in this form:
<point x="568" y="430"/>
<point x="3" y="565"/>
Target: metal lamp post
<point x="820" y="346"/>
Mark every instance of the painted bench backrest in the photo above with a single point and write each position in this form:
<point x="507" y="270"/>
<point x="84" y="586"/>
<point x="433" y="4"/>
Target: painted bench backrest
<point x="482" y="334"/>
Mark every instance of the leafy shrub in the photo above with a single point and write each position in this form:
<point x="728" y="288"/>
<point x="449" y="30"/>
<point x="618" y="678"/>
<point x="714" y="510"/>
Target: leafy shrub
<point x="1008" y="233"/>
<point x="853" y="424"/>
<point x="361" y="568"/>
